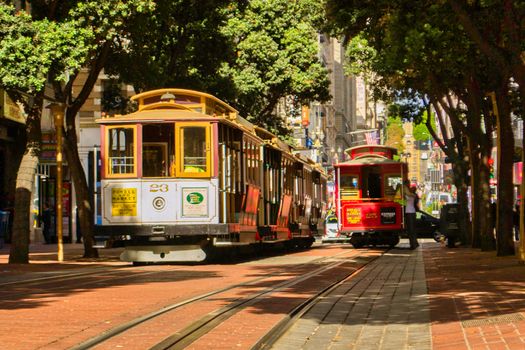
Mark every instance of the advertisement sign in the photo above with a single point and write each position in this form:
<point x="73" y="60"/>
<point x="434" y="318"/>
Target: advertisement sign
<point x="66" y="198"/>
<point x="388" y="216"/>
<point x="49" y="147"/>
<point x="194" y="202"/>
<point x="353" y="216"/>
<point x="123" y="201"/>
<point x="9" y="109"/>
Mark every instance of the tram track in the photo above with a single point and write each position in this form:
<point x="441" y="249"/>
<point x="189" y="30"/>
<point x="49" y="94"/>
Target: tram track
<point x="207" y="323"/>
<point x="182" y="339"/>
<point x="270" y="338"/>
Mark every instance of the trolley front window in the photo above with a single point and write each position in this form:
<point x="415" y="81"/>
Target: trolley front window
<point x="349" y="185"/>
<point x="121" y="151"/>
<point x="393" y="183"/>
<point x="158" y="150"/>
<point x="194" y="156"/>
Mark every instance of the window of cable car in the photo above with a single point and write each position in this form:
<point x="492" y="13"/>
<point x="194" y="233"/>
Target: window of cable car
<point x="349" y="187"/>
<point x="193" y="153"/>
<point x="393" y="183"/>
<point x="158" y="150"/>
<point x="121" y="151"/>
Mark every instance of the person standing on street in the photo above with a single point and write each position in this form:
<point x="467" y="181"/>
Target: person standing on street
<point x="46" y="221"/>
<point x="516" y="221"/>
<point x="410" y="214"/>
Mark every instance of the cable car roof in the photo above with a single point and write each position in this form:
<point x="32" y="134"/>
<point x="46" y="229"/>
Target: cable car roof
<point x="367" y="150"/>
<point x="368" y="160"/>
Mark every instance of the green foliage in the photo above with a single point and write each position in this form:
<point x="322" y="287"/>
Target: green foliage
<point x="360" y="57"/>
<point x="179" y="45"/>
<point x="277" y="56"/>
<point x="421" y="132"/>
<point x="395" y="133"/>
<point x="407" y="105"/>
<point x="56" y="40"/>
<point x="418" y="47"/>
<point x="32" y="49"/>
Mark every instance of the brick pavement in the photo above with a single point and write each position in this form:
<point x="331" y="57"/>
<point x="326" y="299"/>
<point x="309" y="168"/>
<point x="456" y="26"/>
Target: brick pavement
<point x="384" y="306"/>
<point x="431" y="298"/>
<point x="477" y="300"/>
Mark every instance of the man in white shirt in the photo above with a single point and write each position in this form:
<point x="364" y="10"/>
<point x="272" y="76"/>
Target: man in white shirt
<point x="410" y="214"/>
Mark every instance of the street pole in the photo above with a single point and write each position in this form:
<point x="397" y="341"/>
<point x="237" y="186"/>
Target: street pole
<point x="57" y="109"/>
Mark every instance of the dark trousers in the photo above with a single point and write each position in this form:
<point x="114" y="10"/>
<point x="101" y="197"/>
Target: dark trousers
<point x="410" y="219"/>
<point x="47" y="234"/>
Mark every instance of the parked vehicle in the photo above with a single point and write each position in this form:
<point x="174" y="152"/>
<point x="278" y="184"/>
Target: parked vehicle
<point x="435" y="200"/>
<point x="427" y="226"/>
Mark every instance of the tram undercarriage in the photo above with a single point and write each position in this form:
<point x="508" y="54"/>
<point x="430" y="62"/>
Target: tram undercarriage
<point x="374" y="238"/>
<point x="173" y="246"/>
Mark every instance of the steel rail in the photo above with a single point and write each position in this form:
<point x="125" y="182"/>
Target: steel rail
<point x="269" y="339"/>
<point x="190" y="334"/>
<point x="113" y="332"/>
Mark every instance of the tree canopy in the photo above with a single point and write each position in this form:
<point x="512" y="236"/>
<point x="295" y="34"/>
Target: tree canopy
<point x="431" y="52"/>
<point x="32" y="49"/>
<point x="395" y="133"/>
<point x="180" y="44"/>
<point x="276" y="56"/>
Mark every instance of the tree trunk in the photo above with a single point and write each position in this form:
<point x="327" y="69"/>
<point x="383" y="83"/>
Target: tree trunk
<point x="519" y="73"/>
<point x="25" y="181"/>
<point x="475" y="235"/>
<point x="84" y="200"/>
<point x="460" y="175"/>
<point x="504" y="226"/>
<point x="486" y="225"/>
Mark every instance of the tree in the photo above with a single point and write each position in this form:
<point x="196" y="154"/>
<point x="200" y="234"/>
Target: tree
<point x="395" y="133"/>
<point x="71" y="35"/>
<point x="421" y="47"/>
<point x="276" y="56"/>
<point x="496" y="27"/>
<point x="107" y="22"/>
<point x="181" y="44"/>
<point x="31" y="51"/>
<point x="421" y="131"/>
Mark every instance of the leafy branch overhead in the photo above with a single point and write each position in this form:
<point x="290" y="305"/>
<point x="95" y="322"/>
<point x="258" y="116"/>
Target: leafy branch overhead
<point x="32" y="49"/>
<point x="277" y="56"/>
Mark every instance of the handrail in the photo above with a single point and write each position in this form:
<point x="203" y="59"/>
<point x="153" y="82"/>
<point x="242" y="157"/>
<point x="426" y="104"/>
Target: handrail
<point x="163" y="104"/>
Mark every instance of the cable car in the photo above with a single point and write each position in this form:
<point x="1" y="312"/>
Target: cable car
<point x="369" y="196"/>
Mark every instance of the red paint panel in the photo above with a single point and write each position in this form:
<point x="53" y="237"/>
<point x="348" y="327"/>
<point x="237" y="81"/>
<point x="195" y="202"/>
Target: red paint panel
<point x="367" y="216"/>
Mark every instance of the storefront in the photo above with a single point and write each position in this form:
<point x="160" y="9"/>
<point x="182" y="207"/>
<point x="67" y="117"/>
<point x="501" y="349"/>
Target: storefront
<point x="12" y="142"/>
<point x="46" y="190"/>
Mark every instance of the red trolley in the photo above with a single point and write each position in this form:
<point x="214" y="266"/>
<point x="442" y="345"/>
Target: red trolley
<point x="369" y="196"/>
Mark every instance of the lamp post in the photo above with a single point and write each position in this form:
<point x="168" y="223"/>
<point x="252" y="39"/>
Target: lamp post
<point x="57" y="110"/>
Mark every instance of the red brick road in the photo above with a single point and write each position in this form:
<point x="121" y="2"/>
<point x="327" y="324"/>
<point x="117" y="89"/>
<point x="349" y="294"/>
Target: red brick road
<point x="477" y="300"/>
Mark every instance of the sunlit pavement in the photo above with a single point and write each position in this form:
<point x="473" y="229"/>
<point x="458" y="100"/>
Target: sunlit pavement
<point x="429" y="298"/>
